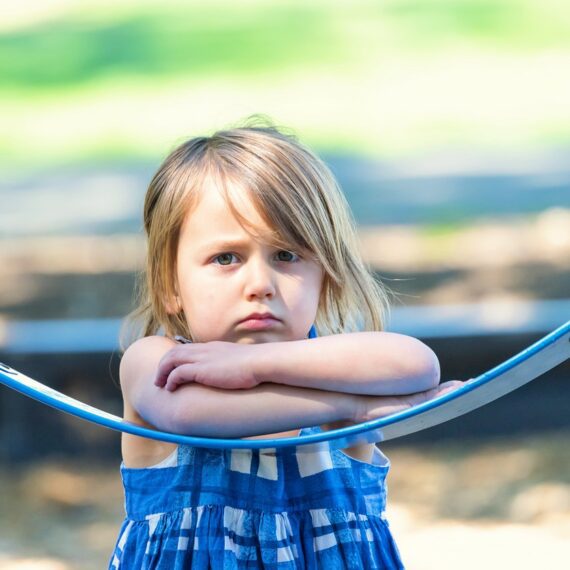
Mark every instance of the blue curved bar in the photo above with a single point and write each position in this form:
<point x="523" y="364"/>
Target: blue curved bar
<point x="543" y="355"/>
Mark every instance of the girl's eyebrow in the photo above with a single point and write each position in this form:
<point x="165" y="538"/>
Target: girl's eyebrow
<point x="224" y="244"/>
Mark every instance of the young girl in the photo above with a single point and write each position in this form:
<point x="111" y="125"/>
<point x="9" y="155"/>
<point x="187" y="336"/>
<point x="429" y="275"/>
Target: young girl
<point x="252" y="253"/>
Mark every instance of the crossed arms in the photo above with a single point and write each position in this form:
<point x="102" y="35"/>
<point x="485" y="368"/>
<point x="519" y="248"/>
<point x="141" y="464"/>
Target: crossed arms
<point x="221" y="389"/>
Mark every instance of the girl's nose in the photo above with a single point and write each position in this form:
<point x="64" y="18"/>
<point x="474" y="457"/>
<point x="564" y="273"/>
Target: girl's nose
<point x="259" y="280"/>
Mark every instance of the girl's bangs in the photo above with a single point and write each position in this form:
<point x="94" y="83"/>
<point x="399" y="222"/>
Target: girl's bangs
<point x="282" y="223"/>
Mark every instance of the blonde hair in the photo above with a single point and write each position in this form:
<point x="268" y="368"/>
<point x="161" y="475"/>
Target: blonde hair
<point x="295" y="194"/>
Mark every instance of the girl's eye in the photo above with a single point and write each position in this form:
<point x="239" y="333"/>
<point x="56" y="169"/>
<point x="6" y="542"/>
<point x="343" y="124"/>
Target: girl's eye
<point x="224" y="258"/>
<point x="285" y="255"/>
<point x="228" y="258"/>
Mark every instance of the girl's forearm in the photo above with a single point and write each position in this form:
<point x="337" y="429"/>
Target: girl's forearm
<point x="204" y="411"/>
<point x="372" y="363"/>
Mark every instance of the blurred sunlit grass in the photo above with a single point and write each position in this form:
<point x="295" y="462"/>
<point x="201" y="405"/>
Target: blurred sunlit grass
<point x="118" y="80"/>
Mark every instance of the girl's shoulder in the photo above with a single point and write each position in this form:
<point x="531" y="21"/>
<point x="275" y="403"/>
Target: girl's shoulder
<point x="137" y="369"/>
<point x="146" y="342"/>
<point x="142" y="356"/>
<point x="139" y="365"/>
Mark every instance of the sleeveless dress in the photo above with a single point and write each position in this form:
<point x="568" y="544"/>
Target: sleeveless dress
<point x="305" y="507"/>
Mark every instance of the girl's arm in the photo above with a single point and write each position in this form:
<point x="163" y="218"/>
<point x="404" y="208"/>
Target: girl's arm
<point x="268" y="408"/>
<point x="213" y="412"/>
<point x="367" y="363"/>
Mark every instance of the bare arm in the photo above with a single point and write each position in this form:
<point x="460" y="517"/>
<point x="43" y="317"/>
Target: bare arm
<point x="200" y="410"/>
<point x="366" y="363"/>
<point x="213" y="412"/>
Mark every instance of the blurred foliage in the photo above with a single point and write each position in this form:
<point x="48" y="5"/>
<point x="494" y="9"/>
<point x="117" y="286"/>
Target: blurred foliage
<point x="161" y="43"/>
<point x="128" y="79"/>
<point x="158" y="40"/>
<point x="520" y="24"/>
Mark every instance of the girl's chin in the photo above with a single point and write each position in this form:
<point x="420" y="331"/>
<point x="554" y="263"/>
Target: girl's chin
<point x="260" y="337"/>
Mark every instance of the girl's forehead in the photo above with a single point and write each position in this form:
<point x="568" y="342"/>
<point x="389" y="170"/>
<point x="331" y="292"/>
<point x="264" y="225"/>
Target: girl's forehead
<point x="216" y="212"/>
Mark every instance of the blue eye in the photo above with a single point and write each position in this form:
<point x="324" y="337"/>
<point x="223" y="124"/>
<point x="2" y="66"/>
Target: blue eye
<point x="289" y="256"/>
<point x="229" y="258"/>
<point x="224" y="258"/>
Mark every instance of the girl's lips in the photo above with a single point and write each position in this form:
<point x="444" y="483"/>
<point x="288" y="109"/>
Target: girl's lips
<point x="259" y="324"/>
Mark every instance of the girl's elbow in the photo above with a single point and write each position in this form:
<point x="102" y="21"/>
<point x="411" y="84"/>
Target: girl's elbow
<point x="429" y="371"/>
<point x="174" y="418"/>
<point x="422" y="367"/>
<point x="436" y="378"/>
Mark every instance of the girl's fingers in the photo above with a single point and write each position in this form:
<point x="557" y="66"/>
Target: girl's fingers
<point x="381" y="406"/>
<point x="160" y="380"/>
<point x="446" y="387"/>
<point x="179" y="375"/>
<point x="169" y="362"/>
<point x="451" y="385"/>
<point x="439" y="390"/>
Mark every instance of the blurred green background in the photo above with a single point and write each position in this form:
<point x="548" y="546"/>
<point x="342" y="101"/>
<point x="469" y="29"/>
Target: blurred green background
<point x="448" y="124"/>
<point x="129" y="79"/>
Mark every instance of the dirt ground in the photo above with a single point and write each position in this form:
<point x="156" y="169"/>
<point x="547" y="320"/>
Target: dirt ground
<point x="498" y="504"/>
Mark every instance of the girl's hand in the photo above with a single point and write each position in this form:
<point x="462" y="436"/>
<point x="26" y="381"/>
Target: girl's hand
<point x="373" y="407"/>
<point x="218" y="364"/>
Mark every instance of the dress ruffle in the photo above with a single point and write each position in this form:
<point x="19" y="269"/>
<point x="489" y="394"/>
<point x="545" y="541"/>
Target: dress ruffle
<point x="228" y="538"/>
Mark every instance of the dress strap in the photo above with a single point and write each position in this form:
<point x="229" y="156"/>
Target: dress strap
<point x="182" y="339"/>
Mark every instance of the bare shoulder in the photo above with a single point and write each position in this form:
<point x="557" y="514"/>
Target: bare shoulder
<point x="142" y="357"/>
<point x="138" y="365"/>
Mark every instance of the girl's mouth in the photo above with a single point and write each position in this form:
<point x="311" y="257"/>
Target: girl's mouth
<point x="259" y="324"/>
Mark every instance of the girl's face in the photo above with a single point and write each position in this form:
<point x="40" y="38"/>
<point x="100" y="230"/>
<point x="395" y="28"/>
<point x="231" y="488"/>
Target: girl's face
<point x="225" y="275"/>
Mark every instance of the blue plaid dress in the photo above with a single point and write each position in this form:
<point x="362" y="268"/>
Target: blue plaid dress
<point x="277" y="509"/>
